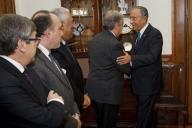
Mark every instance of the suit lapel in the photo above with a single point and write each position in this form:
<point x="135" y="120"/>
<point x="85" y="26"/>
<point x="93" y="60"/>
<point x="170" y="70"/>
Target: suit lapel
<point x="28" y="87"/>
<point x="143" y="37"/>
<point x="25" y="84"/>
<point x="52" y="68"/>
<point x="67" y="56"/>
<point x="38" y="86"/>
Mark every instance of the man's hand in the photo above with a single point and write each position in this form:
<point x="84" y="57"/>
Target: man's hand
<point x="53" y="96"/>
<point x="86" y="101"/>
<point x="125" y="59"/>
<point x="77" y="117"/>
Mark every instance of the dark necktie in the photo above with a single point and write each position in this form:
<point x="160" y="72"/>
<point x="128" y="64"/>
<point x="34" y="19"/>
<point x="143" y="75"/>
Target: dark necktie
<point x="27" y="75"/>
<point x="138" y="35"/>
<point x="55" y="63"/>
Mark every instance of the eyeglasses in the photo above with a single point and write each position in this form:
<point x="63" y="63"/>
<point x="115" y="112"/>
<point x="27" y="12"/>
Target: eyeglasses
<point x="35" y="40"/>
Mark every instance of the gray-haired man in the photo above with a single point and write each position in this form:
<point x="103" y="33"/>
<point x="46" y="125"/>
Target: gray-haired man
<point x="105" y="79"/>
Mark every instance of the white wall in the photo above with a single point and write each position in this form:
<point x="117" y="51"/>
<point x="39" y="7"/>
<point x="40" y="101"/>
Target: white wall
<point x="160" y="16"/>
<point x="29" y="7"/>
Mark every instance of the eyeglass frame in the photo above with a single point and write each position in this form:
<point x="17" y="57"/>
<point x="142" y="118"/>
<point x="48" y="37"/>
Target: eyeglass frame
<point x="28" y="40"/>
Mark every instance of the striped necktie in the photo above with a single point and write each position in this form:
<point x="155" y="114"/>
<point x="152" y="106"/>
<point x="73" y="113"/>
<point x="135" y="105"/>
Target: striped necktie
<point x="55" y="63"/>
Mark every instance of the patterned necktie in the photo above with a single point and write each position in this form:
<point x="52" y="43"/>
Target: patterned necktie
<point x="138" y="35"/>
<point x="55" y="63"/>
<point x="27" y="75"/>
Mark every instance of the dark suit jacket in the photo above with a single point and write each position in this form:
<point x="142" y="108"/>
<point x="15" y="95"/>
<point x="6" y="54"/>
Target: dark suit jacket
<point x="74" y="72"/>
<point x="105" y="79"/>
<point x="146" y="62"/>
<point x="24" y="104"/>
<point x="54" y="80"/>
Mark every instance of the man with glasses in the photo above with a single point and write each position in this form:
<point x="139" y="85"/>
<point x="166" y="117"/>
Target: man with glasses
<point x="49" y="30"/>
<point x="24" y="101"/>
<point x="145" y="61"/>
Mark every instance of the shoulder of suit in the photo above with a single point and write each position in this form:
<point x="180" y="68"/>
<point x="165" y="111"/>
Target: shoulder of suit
<point x="154" y="29"/>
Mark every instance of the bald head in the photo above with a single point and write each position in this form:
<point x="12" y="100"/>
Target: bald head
<point x="40" y="13"/>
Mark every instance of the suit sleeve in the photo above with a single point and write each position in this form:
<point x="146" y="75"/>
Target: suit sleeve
<point x="17" y="101"/>
<point x="75" y="108"/>
<point x="79" y="96"/>
<point x="117" y="50"/>
<point x="154" y="52"/>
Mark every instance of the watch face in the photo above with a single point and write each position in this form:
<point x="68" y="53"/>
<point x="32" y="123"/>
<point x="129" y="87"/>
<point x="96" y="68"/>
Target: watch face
<point x="78" y="28"/>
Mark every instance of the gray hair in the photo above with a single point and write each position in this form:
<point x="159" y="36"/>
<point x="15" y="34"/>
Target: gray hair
<point x="143" y="10"/>
<point x="111" y="18"/>
<point x="13" y="28"/>
<point x="62" y="13"/>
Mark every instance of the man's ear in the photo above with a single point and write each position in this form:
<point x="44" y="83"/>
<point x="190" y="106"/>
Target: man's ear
<point x="47" y="33"/>
<point x="145" y="18"/>
<point x="21" y="46"/>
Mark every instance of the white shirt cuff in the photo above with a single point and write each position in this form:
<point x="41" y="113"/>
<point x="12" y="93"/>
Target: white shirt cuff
<point x="55" y="99"/>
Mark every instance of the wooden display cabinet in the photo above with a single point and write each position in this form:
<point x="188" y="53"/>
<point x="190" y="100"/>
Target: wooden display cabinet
<point x="86" y="23"/>
<point x="87" y="16"/>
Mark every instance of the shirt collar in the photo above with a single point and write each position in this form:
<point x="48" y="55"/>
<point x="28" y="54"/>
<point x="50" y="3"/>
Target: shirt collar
<point x="113" y="34"/>
<point x="143" y="29"/>
<point x="63" y="42"/>
<point x="15" y="63"/>
<point x="44" y="50"/>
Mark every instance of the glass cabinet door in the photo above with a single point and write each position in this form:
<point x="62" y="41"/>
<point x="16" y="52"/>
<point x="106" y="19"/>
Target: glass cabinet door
<point x="87" y="16"/>
<point x="86" y="25"/>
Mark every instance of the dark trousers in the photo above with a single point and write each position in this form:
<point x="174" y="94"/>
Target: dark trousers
<point x="106" y="114"/>
<point x="145" y="111"/>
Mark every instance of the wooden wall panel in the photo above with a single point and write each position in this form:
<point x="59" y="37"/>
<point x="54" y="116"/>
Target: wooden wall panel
<point x="189" y="57"/>
<point x="7" y="6"/>
<point x="179" y="44"/>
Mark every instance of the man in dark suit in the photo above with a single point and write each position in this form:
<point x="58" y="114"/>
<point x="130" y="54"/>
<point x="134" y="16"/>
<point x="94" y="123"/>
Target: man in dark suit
<point x="68" y="62"/>
<point x="145" y="61"/>
<point x="49" y="29"/>
<point x="105" y="78"/>
<point x="24" y="102"/>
